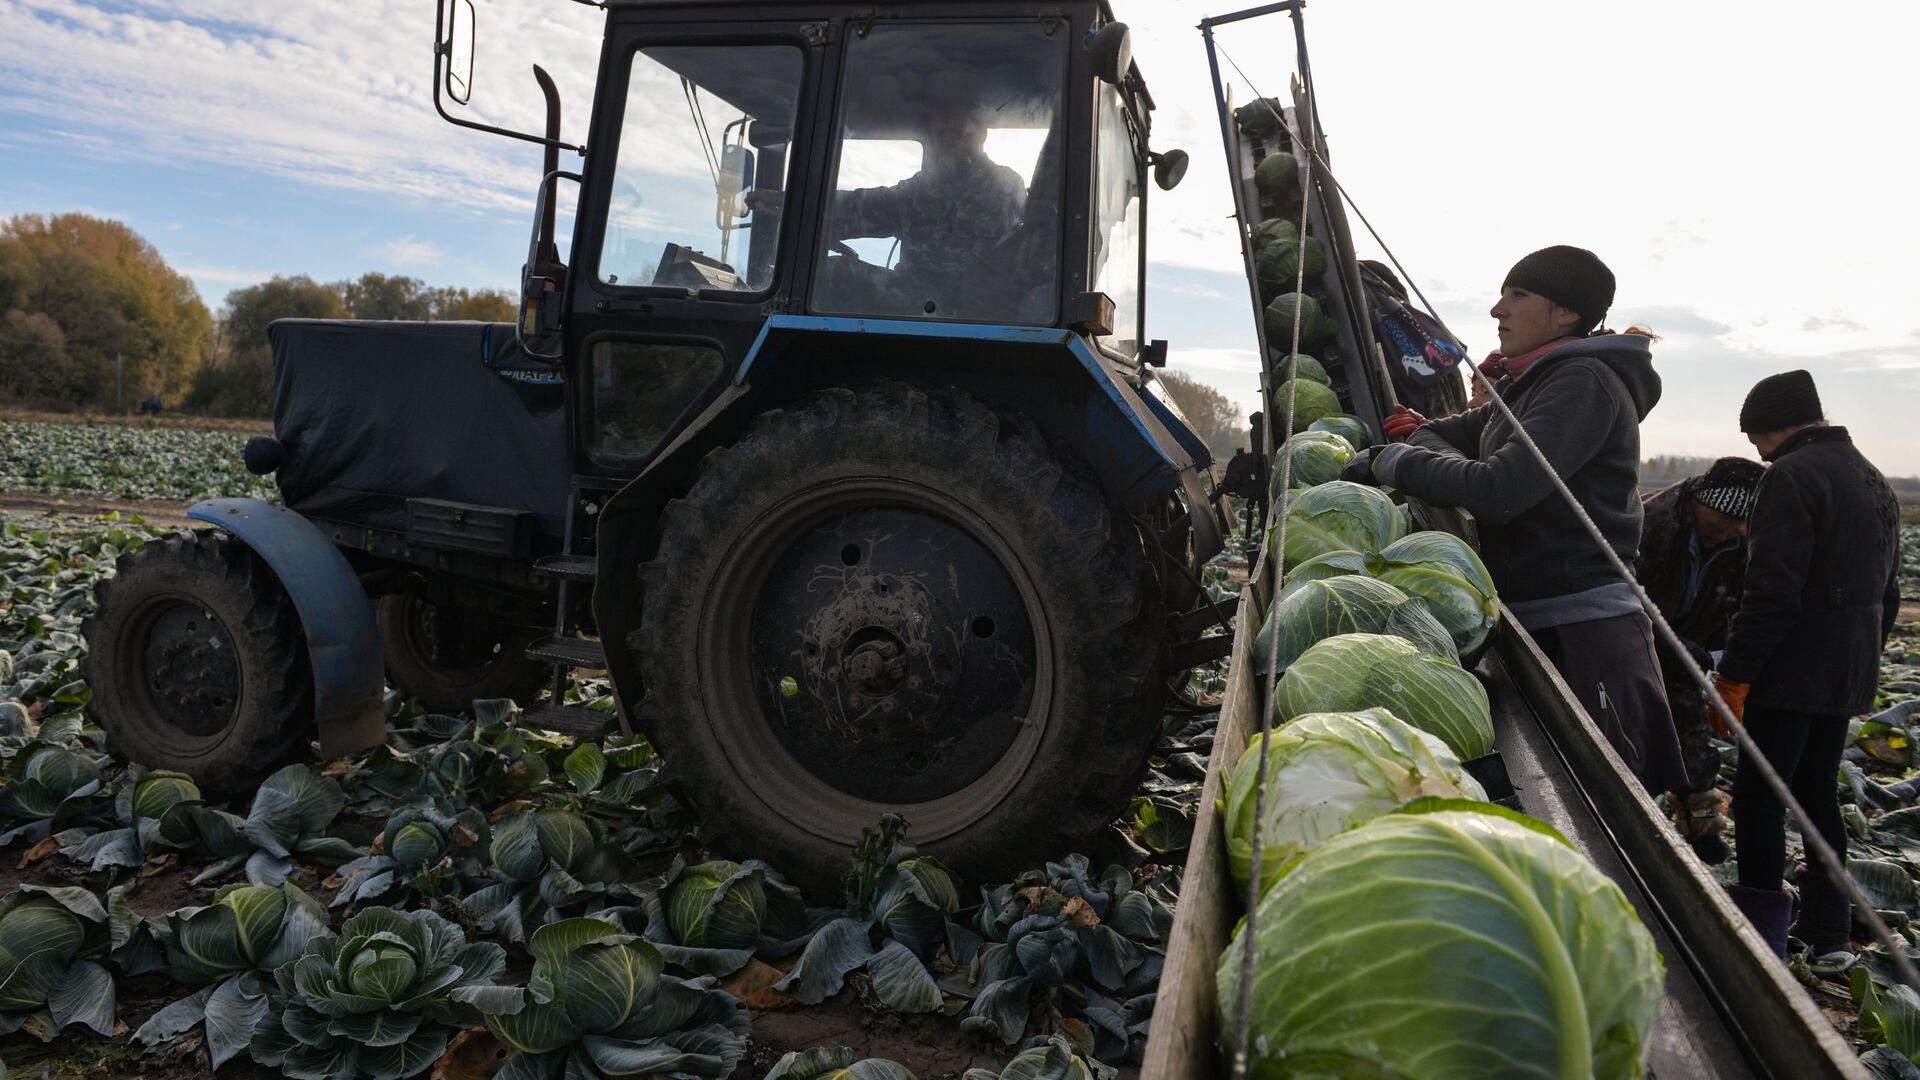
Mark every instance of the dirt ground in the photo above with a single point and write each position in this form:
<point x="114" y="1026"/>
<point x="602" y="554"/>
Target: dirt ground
<point x="164" y="420"/>
<point x="93" y="506"/>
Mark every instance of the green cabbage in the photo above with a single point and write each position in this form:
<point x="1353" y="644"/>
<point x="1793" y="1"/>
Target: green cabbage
<point x="1278" y="264"/>
<point x="1311" y="401"/>
<point x="1315" y="457"/>
<point x="1304" y="366"/>
<point x="1331" y="565"/>
<point x="1327" y="773"/>
<point x="1274" y="177"/>
<point x="1339" y="516"/>
<point x="1442" y="570"/>
<point x="1273" y="231"/>
<point x="1319" y="610"/>
<point x="1281" y="313"/>
<point x="1378" y="671"/>
<point x="1347" y="426"/>
<point x="1447" y="943"/>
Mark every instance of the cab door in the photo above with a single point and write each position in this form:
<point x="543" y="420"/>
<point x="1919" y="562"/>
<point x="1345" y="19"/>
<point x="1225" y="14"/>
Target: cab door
<point x="693" y="200"/>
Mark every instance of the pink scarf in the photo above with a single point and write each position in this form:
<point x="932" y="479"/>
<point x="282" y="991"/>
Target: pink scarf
<point x="1496" y="366"/>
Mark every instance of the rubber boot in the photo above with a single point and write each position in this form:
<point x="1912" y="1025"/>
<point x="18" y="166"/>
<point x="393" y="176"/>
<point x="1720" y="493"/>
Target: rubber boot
<point x="1826" y="916"/>
<point x="1768" y="911"/>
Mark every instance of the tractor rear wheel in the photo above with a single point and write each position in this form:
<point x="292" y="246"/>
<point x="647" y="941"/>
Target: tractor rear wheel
<point x="197" y="662"/>
<point x="900" y="600"/>
<point x="448" y="668"/>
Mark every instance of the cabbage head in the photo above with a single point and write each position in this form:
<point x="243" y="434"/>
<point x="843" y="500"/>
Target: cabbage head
<point x="1319" y="610"/>
<point x="1315" y="457"/>
<point x="1311" y="401"/>
<point x="1273" y="231"/>
<point x="1274" y="177"/>
<point x="1447" y="943"/>
<point x="1339" y="516"/>
<point x="1301" y="365"/>
<point x="1331" y="565"/>
<point x="1377" y="671"/>
<point x="1347" y="426"/>
<point x="835" y="1063"/>
<point x="1278" y="264"/>
<point x="1326" y="773"/>
<point x="1281" y="313"/>
<point x="1443" y="570"/>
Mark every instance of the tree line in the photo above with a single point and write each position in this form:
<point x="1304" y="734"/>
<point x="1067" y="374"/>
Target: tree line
<point x="92" y="317"/>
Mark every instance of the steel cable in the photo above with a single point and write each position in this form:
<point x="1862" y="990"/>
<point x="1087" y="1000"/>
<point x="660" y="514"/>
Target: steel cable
<point x="1831" y="861"/>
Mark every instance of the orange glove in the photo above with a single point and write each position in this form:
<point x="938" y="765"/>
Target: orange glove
<point x="1735" y="695"/>
<point x="1403" y="422"/>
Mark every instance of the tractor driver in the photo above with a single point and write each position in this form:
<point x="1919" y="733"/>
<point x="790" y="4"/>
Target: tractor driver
<point x="947" y="217"/>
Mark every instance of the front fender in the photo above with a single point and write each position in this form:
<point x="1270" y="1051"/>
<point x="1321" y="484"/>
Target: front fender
<point x="343" y="641"/>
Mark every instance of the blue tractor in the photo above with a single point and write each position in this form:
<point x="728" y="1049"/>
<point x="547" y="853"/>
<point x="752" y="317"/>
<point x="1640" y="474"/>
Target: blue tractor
<point x="834" y="440"/>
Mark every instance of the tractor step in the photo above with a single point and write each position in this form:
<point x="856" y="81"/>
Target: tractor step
<point x="573" y="567"/>
<point x="570" y="720"/>
<point x="571" y="651"/>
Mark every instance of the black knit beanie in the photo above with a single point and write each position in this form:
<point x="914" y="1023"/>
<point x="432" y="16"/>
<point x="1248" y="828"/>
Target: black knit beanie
<point x="1572" y="277"/>
<point x="1728" y="486"/>
<point x="1781" y="401"/>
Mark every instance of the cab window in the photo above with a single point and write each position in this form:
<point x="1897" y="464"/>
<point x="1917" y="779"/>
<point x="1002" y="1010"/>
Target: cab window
<point x="699" y="184"/>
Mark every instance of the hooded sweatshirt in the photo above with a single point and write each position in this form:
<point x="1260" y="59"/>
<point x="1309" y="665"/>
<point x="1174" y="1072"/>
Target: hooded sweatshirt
<point x="1582" y="403"/>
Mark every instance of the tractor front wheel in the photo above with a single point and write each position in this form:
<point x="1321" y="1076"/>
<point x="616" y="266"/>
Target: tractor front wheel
<point x="897" y="600"/>
<point x="197" y="662"/>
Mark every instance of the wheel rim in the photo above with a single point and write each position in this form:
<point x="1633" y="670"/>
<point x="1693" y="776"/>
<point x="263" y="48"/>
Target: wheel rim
<point x="849" y="678"/>
<point x="418" y="627"/>
<point x="184" y="662"/>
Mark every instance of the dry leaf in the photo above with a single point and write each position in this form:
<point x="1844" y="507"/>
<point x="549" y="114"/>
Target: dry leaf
<point x="1081" y="912"/>
<point x="474" y="1054"/>
<point x="38" y="851"/>
<point x="753" y="984"/>
<point x="159" y="864"/>
<point x="335" y="770"/>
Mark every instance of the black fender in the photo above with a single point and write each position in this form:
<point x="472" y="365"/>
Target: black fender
<point x="343" y="641"/>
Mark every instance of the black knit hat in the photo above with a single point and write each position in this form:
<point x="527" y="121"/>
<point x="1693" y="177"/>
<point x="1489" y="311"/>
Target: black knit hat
<point x="1572" y="277"/>
<point x="1728" y="486"/>
<point x="1781" y="401"/>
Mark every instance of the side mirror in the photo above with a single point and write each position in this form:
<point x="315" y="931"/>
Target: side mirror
<point x="736" y="176"/>
<point x="1169" y="168"/>
<point x="1112" y="48"/>
<point x="458" y="49"/>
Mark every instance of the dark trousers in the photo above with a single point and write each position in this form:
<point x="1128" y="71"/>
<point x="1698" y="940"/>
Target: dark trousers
<point x="1805" y="750"/>
<point x="1611" y="668"/>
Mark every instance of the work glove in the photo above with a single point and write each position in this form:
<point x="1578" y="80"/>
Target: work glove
<point x="1360" y="469"/>
<point x="1403" y="422"/>
<point x="1735" y="695"/>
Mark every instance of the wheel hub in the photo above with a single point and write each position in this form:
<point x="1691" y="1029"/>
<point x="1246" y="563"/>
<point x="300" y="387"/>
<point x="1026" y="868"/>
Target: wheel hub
<point x="893" y="654"/>
<point x="191" y="670"/>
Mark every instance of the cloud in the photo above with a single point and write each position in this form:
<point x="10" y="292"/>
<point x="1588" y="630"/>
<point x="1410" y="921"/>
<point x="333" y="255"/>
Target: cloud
<point x="408" y="251"/>
<point x="1667" y="321"/>
<point x="1814" y="324"/>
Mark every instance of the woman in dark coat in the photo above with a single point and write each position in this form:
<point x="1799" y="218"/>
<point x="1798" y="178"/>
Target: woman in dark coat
<point x="1581" y="393"/>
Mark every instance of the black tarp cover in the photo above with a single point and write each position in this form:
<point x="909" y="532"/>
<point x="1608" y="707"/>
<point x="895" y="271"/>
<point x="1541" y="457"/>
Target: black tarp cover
<point x="375" y="413"/>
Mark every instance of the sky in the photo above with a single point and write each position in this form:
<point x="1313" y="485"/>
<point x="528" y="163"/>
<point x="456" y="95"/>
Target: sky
<point x="1746" y="170"/>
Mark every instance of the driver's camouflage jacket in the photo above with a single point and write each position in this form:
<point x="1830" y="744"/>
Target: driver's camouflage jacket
<point x="945" y="220"/>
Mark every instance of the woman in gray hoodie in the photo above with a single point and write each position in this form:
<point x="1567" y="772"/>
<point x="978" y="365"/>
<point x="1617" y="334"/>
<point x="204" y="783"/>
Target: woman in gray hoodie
<point x="1581" y="393"/>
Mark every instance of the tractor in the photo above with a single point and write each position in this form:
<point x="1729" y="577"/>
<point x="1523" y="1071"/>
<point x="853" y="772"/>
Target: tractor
<point x="834" y="440"/>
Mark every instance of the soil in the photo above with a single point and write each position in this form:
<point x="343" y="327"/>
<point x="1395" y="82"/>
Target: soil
<point x="164" y="420"/>
<point x="93" y="506"/>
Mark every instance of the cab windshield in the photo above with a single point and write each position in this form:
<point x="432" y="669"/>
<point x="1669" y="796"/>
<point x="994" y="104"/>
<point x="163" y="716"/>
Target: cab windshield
<point x="947" y="176"/>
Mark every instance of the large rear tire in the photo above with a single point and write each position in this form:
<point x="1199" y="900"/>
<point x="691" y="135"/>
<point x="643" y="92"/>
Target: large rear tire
<point x="449" y="671"/>
<point x="900" y="600"/>
<point x="197" y="662"/>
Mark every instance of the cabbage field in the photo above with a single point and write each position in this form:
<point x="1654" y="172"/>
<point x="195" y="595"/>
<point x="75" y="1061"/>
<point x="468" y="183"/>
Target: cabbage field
<point x="479" y="899"/>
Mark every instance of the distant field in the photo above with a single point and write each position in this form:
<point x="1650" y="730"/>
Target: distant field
<point x="164" y="420"/>
<point x="141" y="460"/>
